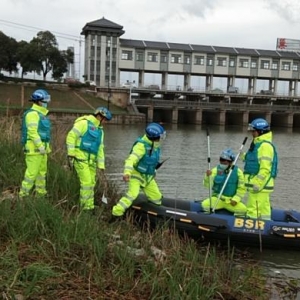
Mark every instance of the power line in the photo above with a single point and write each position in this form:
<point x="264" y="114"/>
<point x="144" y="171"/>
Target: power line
<point x="26" y="27"/>
<point x="57" y="34"/>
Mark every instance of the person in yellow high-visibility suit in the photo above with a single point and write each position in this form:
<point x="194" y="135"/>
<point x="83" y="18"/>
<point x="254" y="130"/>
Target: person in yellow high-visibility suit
<point x="234" y="190"/>
<point x="260" y="170"/>
<point x="85" y="149"/>
<point x="36" y="134"/>
<point x="140" y="168"/>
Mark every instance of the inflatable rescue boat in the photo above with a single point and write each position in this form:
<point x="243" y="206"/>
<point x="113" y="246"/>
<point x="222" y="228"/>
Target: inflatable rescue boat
<point x="188" y="217"/>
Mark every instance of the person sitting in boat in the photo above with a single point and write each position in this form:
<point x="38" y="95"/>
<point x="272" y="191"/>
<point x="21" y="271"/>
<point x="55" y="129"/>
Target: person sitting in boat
<point x="260" y="170"/>
<point x="140" y="169"/>
<point x="234" y="189"/>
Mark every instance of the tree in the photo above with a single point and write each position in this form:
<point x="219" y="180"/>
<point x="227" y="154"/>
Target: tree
<point x="8" y="53"/>
<point x="27" y="58"/>
<point x="40" y="55"/>
<point x="61" y="62"/>
<point x="48" y="57"/>
<point x="45" y="45"/>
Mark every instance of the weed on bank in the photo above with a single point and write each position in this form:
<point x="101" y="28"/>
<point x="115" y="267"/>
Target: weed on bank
<point x="51" y="250"/>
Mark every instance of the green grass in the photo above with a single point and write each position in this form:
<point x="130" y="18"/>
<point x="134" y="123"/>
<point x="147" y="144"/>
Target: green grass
<point x="62" y="99"/>
<point x="51" y="250"/>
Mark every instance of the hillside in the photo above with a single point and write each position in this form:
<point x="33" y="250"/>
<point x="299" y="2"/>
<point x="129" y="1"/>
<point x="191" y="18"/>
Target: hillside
<point x="62" y="97"/>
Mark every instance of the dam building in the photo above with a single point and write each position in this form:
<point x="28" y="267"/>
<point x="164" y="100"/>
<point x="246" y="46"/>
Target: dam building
<point x="107" y="55"/>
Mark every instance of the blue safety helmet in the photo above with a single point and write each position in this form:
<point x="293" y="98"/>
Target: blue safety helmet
<point x="260" y="125"/>
<point x="40" y="95"/>
<point x="103" y="111"/>
<point x="227" y="154"/>
<point x="155" y="131"/>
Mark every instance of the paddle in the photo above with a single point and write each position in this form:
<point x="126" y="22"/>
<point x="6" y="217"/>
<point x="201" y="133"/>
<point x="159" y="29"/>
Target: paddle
<point x="230" y="171"/>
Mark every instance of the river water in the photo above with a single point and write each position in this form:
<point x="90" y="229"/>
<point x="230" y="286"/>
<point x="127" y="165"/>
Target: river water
<point x="181" y="176"/>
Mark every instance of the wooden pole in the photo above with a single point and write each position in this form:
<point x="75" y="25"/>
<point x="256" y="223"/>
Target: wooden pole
<point x="7" y="107"/>
<point x="22" y="95"/>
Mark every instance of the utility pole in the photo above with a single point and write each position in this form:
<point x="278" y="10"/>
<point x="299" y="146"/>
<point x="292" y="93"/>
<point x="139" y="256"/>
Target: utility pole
<point x="110" y="69"/>
<point x="79" y="58"/>
<point x="132" y="85"/>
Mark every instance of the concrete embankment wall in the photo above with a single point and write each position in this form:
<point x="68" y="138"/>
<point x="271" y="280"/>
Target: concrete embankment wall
<point x="69" y="116"/>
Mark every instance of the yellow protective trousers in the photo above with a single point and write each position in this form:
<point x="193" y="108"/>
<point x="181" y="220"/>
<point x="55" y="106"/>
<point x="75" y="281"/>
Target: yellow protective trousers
<point x="135" y="183"/>
<point x="86" y="172"/>
<point x="258" y="205"/>
<point x="35" y="174"/>
<point x="239" y="209"/>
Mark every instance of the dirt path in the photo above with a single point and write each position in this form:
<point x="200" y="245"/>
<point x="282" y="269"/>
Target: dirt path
<point x="83" y="100"/>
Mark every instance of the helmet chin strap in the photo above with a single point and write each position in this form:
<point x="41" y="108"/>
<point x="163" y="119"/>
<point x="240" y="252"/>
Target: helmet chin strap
<point x="100" y="118"/>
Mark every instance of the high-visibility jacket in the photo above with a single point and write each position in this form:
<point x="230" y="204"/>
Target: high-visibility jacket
<point x="138" y="153"/>
<point x="147" y="164"/>
<point x="237" y="183"/>
<point x="232" y="182"/>
<point x="36" y="130"/>
<point x="85" y="141"/>
<point x="266" y="154"/>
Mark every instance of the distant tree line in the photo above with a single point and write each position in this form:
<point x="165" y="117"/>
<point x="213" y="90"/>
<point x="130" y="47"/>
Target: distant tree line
<point x="40" y="55"/>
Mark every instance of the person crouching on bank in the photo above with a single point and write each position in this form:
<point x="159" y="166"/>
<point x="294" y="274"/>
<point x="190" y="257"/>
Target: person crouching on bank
<point x="140" y="168"/>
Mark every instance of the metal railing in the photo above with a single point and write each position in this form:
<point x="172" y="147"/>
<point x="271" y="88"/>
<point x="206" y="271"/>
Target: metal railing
<point x="215" y="105"/>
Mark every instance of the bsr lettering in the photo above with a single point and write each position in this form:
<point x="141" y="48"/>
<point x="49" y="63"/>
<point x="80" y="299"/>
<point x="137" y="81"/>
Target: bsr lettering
<point x="249" y="224"/>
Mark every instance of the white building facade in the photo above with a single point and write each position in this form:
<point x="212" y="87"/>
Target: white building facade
<point x="107" y="54"/>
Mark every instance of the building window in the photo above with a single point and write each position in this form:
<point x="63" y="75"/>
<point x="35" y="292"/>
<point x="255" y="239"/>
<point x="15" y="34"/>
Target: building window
<point x="93" y="40"/>
<point x="286" y="66"/>
<point x="295" y="66"/>
<point x="253" y="64"/>
<point x="99" y="40"/>
<point x="176" y="58"/>
<point x="265" y="64"/>
<point x="98" y="51"/>
<point x="163" y="58"/>
<point x="199" y="60"/>
<point x="187" y="60"/>
<point x="98" y="66"/>
<point x="92" y="51"/>
<point x="153" y="57"/>
<point x="221" y="62"/>
<point x="108" y="42"/>
<point x="139" y="57"/>
<point x="126" y="55"/>
<point x="232" y="62"/>
<point x="92" y="65"/>
<point x="244" y="63"/>
<point x="209" y="62"/>
<point x="114" y="53"/>
<point x="274" y="65"/>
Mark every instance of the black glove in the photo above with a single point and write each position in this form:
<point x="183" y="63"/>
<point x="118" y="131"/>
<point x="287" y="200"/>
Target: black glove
<point x="71" y="162"/>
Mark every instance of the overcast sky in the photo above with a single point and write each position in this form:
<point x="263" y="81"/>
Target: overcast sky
<point x="235" y="23"/>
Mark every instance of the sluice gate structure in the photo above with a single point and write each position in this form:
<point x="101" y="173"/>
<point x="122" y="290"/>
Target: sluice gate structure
<point x="218" y="113"/>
